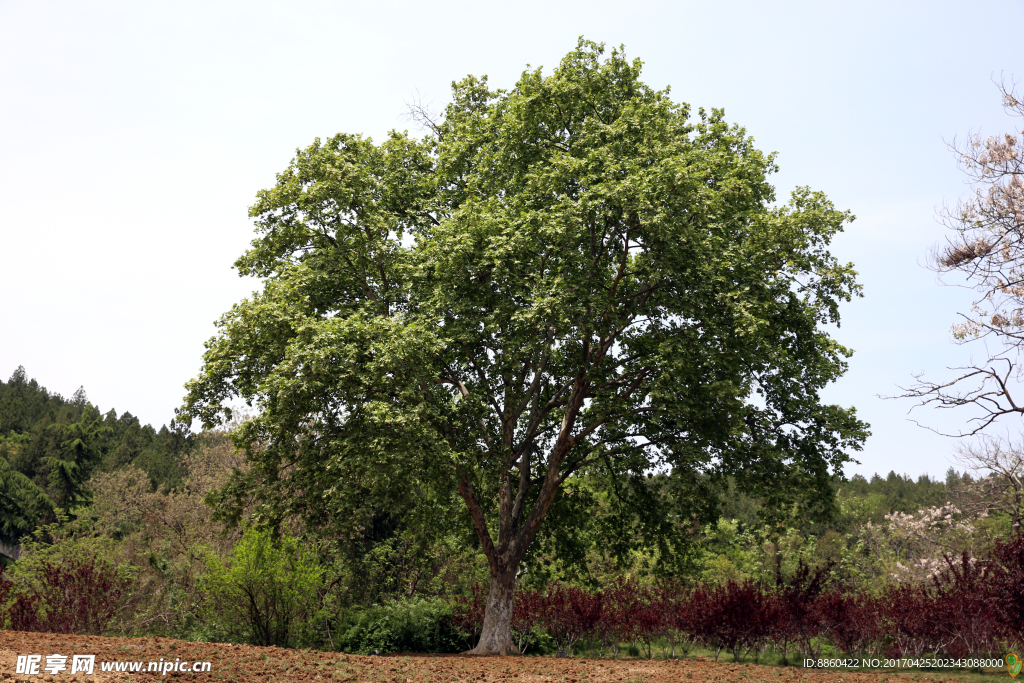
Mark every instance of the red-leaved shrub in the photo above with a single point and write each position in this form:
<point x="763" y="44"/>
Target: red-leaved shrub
<point x="798" y="616"/>
<point x="974" y="607"/>
<point x="1007" y="579"/>
<point x="738" y="616"/>
<point x="74" y="596"/>
<point x="569" y="613"/>
<point x="850" y="621"/>
<point x="468" y="614"/>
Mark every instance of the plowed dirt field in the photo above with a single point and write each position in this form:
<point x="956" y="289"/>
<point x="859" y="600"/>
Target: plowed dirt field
<point x="247" y="663"/>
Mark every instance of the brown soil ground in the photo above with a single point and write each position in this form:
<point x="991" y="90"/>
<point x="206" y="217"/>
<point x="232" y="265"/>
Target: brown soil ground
<point x="247" y="663"/>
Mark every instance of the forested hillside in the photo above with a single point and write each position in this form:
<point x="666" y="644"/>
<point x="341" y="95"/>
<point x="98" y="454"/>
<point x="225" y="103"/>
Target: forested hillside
<point x="50" y="447"/>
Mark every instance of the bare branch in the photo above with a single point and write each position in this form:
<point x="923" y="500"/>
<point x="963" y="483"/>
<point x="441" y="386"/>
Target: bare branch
<point x="1000" y="462"/>
<point x="986" y="248"/>
<point x="421" y="113"/>
<point x="992" y="394"/>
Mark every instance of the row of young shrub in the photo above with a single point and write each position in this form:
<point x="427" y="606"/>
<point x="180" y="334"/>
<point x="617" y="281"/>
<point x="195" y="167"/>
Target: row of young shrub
<point x="268" y="593"/>
<point x="973" y="607"/>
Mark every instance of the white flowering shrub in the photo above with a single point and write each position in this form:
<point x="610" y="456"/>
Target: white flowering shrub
<point x="910" y="548"/>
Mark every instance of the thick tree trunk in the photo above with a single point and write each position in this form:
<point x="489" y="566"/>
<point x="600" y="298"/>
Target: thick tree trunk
<point x="496" y="637"/>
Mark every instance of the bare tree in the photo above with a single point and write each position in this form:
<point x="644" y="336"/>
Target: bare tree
<point x="986" y="247"/>
<point x="999" y="463"/>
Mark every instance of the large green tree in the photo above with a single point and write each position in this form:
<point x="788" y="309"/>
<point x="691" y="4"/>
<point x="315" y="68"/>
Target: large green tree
<point x="571" y="277"/>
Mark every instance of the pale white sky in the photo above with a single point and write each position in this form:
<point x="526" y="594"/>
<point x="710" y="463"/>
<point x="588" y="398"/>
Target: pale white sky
<point x="133" y="137"/>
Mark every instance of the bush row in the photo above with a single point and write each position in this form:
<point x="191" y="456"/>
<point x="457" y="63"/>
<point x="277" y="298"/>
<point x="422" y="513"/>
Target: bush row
<point x="972" y="607"/>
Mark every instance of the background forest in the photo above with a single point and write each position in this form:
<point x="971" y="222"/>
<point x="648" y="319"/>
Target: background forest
<point x="116" y="529"/>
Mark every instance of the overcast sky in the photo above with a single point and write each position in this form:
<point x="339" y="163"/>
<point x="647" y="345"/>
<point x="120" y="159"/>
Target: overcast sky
<point x="134" y="136"/>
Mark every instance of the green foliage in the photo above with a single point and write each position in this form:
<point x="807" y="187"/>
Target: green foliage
<point x="63" y="539"/>
<point x="410" y="625"/>
<point x="264" y="591"/>
<point x="402" y="565"/>
<point x="23" y="403"/>
<point x="575" y="278"/>
<point x="22" y="502"/>
<point x="79" y="454"/>
<point x="167" y="534"/>
<point x="51" y="446"/>
<point x="864" y="500"/>
<point x="728" y="553"/>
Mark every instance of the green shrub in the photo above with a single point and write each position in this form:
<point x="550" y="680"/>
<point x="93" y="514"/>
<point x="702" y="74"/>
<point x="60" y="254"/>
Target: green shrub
<point x="264" y="592"/>
<point x="411" y="625"/>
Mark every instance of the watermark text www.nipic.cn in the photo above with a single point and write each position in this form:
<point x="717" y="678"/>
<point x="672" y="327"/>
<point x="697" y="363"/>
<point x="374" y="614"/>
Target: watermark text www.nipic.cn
<point x="34" y="665"/>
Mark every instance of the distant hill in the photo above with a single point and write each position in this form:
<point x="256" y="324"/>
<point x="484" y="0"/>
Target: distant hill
<point x="50" y="446"/>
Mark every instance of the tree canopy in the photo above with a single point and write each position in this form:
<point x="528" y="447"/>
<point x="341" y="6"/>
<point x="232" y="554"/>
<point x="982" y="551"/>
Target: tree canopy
<point x="572" y="280"/>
